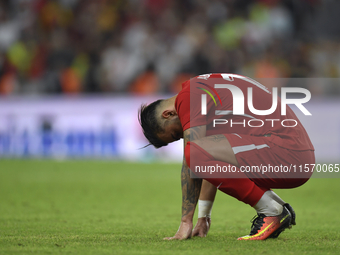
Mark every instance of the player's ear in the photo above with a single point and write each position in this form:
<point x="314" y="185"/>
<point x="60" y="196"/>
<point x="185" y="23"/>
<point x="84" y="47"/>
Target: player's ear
<point x="168" y="113"/>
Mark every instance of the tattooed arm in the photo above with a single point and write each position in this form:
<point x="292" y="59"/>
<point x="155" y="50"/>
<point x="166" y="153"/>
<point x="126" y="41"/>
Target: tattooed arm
<point x="190" y="188"/>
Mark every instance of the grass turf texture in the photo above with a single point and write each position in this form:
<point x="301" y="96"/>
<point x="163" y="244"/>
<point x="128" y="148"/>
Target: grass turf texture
<point x="92" y="207"/>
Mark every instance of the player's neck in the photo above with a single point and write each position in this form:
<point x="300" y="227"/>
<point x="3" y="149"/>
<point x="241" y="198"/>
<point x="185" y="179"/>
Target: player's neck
<point x="170" y="102"/>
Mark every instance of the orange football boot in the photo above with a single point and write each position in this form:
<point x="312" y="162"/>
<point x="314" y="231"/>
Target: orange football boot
<point x="264" y="226"/>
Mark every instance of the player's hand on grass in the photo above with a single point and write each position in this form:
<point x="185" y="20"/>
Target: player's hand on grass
<point x="202" y="227"/>
<point x="184" y="232"/>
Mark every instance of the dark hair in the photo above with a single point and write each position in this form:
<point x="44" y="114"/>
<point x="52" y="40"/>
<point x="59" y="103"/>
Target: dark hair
<point x="150" y="125"/>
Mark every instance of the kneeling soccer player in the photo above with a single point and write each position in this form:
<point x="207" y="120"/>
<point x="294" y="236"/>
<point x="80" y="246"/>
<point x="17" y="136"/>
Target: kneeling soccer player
<point x="238" y="138"/>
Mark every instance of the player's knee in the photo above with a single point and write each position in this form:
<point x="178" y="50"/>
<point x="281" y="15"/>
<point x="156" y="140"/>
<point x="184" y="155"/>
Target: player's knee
<point x="193" y="151"/>
<point x="197" y="142"/>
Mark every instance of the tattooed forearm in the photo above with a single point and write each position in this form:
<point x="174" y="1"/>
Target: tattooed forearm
<point x="191" y="187"/>
<point x="190" y="191"/>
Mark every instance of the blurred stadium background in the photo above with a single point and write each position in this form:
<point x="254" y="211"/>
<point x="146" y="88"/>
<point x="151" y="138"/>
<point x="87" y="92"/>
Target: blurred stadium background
<point x="74" y="72"/>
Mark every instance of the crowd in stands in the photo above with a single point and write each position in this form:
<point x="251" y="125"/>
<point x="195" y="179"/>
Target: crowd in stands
<point x="152" y="46"/>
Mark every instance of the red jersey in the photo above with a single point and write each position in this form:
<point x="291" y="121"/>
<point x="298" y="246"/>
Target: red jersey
<point x="202" y="102"/>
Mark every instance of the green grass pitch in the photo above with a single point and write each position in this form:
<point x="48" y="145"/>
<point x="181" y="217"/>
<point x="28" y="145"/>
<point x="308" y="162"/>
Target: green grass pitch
<point x="103" y="207"/>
